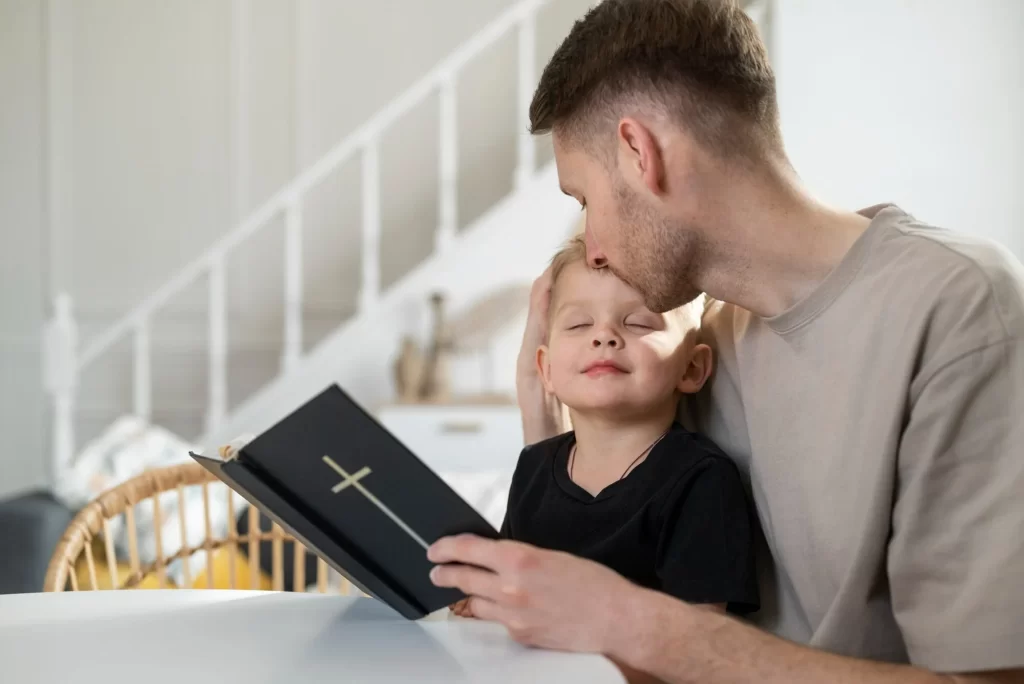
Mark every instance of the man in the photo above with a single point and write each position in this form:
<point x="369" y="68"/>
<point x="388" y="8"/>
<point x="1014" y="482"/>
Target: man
<point x="870" y="381"/>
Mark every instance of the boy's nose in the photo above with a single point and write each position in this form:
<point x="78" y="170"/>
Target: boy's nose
<point x="606" y="338"/>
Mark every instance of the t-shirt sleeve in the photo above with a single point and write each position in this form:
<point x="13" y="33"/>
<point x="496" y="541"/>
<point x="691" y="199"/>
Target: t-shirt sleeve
<point x="956" y="555"/>
<point x="706" y="550"/>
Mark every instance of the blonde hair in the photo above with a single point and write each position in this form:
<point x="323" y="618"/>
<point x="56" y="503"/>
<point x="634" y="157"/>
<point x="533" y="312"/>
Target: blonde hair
<point x="575" y="251"/>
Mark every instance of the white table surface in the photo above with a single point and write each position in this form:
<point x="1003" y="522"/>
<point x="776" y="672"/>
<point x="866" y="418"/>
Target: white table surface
<point x="191" y="637"/>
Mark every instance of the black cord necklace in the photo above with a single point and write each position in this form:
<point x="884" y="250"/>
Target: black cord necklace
<point x="572" y="456"/>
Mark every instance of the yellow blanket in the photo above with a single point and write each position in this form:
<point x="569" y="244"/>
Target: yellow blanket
<point x="222" y="558"/>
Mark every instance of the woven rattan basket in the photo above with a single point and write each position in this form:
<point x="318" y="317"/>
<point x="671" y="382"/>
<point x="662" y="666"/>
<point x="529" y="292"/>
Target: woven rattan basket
<point x="89" y="535"/>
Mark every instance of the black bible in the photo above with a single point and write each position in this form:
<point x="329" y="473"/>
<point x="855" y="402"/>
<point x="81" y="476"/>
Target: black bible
<point x="345" y="487"/>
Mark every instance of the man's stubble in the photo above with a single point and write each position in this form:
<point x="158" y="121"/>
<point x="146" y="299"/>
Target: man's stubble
<point x="658" y="257"/>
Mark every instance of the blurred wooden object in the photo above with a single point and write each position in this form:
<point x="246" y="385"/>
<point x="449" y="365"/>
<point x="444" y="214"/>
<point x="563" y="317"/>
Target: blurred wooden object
<point x="409" y="367"/>
<point x="84" y="558"/>
<point x="436" y="375"/>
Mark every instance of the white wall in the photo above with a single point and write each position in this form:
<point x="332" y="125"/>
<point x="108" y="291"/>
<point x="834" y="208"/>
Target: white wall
<point x="918" y="102"/>
<point x="22" y="246"/>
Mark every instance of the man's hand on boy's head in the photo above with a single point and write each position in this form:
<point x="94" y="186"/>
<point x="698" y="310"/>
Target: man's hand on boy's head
<point x="536" y="332"/>
<point x="542" y="412"/>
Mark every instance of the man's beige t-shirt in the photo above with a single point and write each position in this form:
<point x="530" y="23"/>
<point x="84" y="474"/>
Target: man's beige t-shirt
<point x="881" y="425"/>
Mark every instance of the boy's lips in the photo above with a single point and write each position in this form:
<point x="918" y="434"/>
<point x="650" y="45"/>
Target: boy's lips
<point x="603" y="367"/>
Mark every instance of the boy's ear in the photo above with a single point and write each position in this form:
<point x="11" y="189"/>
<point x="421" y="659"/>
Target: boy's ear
<point x="544" y="368"/>
<point x="698" y="370"/>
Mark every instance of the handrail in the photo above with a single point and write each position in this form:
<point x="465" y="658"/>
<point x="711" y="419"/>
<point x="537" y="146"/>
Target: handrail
<point x="290" y="193"/>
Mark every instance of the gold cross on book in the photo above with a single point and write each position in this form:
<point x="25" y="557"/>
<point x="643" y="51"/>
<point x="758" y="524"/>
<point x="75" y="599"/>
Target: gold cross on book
<point x="354" y="482"/>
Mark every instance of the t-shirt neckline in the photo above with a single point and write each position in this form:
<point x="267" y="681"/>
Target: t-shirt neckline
<point x="560" y="466"/>
<point x="811" y="306"/>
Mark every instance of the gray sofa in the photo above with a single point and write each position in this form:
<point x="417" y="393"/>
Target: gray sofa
<point x="30" y="527"/>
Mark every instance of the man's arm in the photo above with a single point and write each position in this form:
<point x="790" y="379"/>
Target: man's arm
<point x="676" y="643"/>
<point x="554" y="600"/>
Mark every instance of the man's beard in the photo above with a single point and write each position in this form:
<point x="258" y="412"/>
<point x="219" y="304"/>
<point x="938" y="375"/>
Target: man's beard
<point x="657" y="257"/>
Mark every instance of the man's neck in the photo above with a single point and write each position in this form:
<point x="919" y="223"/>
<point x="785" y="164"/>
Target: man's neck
<point x="606" y="447"/>
<point x="777" y="243"/>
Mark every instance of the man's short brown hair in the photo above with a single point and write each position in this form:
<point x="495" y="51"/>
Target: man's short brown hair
<point x="701" y="61"/>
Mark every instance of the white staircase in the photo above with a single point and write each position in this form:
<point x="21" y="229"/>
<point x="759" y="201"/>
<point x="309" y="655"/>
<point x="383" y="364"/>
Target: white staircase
<point x="507" y="245"/>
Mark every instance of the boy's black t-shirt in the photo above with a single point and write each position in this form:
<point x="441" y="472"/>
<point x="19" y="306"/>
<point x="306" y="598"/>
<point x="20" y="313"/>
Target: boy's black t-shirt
<point x="678" y="523"/>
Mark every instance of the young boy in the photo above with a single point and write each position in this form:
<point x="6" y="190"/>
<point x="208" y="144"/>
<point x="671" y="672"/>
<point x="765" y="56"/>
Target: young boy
<point x="629" y="487"/>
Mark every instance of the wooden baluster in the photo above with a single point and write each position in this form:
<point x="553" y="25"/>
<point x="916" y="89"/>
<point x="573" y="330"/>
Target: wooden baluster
<point x="292" y="285"/>
<point x="142" y="392"/>
<point x="232" y="540"/>
<point x="370" y="287"/>
<point x="208" y="542"/>
<point x="61" y="366"/>
<point x="299" y="569"/>
<point x="277" y="555"/>
<point x="186" y="551"/>
<point x="108" y="547"/>
<point x="158" y="524"/>
<point x="254" y="547"/>
<point x="527" y="150"/>
<point x="218" y="345"/>
<point x="72" y="576"/>
<point x="448" y="204"/>
<point x="321" y="575"/>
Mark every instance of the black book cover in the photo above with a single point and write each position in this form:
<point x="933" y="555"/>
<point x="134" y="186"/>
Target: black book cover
<point x="337" y="480"/>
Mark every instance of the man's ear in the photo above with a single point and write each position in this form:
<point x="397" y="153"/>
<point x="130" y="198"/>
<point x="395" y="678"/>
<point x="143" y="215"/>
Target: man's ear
<point x="544" y="368"/>
<point x="640" y="156"/>
<point x="697" y="371"/>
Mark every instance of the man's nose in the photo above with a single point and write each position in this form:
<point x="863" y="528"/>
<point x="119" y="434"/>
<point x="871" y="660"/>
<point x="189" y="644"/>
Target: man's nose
<point x="595" y="257"/>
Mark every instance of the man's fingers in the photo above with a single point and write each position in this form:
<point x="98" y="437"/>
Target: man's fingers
<point x="460" y="607"/>
<point x="482" y="609"/>
<point x="542" y="283"/>
<point x="500" y="556"/>
<point x="464" y="548"/>
<point x="468" y="580"/>
<point x="540" y="293"/>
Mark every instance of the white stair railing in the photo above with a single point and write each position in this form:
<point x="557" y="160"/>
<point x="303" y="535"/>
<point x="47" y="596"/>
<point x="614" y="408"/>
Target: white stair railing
<point x="65" y="362"/>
